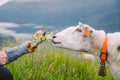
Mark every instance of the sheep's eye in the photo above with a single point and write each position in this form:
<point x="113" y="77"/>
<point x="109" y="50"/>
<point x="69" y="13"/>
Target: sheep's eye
<point x="79" y="30"/>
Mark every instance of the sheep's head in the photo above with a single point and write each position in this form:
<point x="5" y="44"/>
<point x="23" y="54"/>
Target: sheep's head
<point x="74" y="38"/>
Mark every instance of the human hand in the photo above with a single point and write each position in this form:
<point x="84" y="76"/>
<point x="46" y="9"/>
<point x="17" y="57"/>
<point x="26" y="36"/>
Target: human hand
<point x="3" y="57"/>
<point x="28" y="46"/>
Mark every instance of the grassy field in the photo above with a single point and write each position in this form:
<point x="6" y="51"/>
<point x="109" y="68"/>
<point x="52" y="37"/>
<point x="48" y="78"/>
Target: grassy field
<point x="49" y="63"/>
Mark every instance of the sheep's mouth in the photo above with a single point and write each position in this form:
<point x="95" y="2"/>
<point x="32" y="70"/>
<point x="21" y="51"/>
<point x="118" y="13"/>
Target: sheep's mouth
<point x="56" y="42"/>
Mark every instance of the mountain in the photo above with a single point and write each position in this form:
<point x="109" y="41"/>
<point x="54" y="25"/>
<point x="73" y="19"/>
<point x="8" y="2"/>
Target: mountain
<point x="58" y="14"/>
<point x="110" y="22"/>
<point x="55" y="13"/>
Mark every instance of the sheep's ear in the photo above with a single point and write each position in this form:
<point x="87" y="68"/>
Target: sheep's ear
<point x="81" y="25"/>
<point x="86" y="32"/>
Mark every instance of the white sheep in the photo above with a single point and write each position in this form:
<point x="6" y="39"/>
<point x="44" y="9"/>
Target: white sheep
<point x="73" y="38"/>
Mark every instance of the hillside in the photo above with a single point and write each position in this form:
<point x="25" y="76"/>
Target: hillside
<point x="53" y="14"/>
<point x="5" y="38"/>
<point x="109" y="22"/>
<point x="49" y="63"/>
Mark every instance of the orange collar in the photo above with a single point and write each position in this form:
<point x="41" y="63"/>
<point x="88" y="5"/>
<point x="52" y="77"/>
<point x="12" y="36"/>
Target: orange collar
<point x="103" y="57"/>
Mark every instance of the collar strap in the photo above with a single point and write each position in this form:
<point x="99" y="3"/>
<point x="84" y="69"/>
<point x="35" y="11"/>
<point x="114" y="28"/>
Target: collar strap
<point x="103" y="58"/>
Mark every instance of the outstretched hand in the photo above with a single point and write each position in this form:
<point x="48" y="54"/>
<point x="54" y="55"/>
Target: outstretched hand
<point x="28" y="46"/>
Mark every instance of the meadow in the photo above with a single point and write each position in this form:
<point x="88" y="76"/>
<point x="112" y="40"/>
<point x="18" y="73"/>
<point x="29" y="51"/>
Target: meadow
<point x="50" y="63"/>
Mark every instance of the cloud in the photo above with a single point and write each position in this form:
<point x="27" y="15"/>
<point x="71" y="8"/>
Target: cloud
<point x="8" y="25"/>
<point x="9" y="29"/>
<point x="38" y="27"/>
<point x="18" y="36"/>
<point x="2" y="2"/>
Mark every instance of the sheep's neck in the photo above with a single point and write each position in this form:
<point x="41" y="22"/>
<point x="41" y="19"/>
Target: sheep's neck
<point x="97" y="42"/>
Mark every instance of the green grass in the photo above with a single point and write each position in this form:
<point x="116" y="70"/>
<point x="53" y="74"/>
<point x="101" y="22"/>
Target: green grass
<point x="49" y="63"/>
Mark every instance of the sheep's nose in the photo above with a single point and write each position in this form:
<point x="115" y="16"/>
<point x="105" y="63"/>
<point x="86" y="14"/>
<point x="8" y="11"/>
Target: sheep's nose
<point x="54" y="36"/>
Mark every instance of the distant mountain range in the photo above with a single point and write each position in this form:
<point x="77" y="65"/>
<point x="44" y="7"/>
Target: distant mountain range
<point x="110" y="22"/>
<point x="98" y="14"/>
